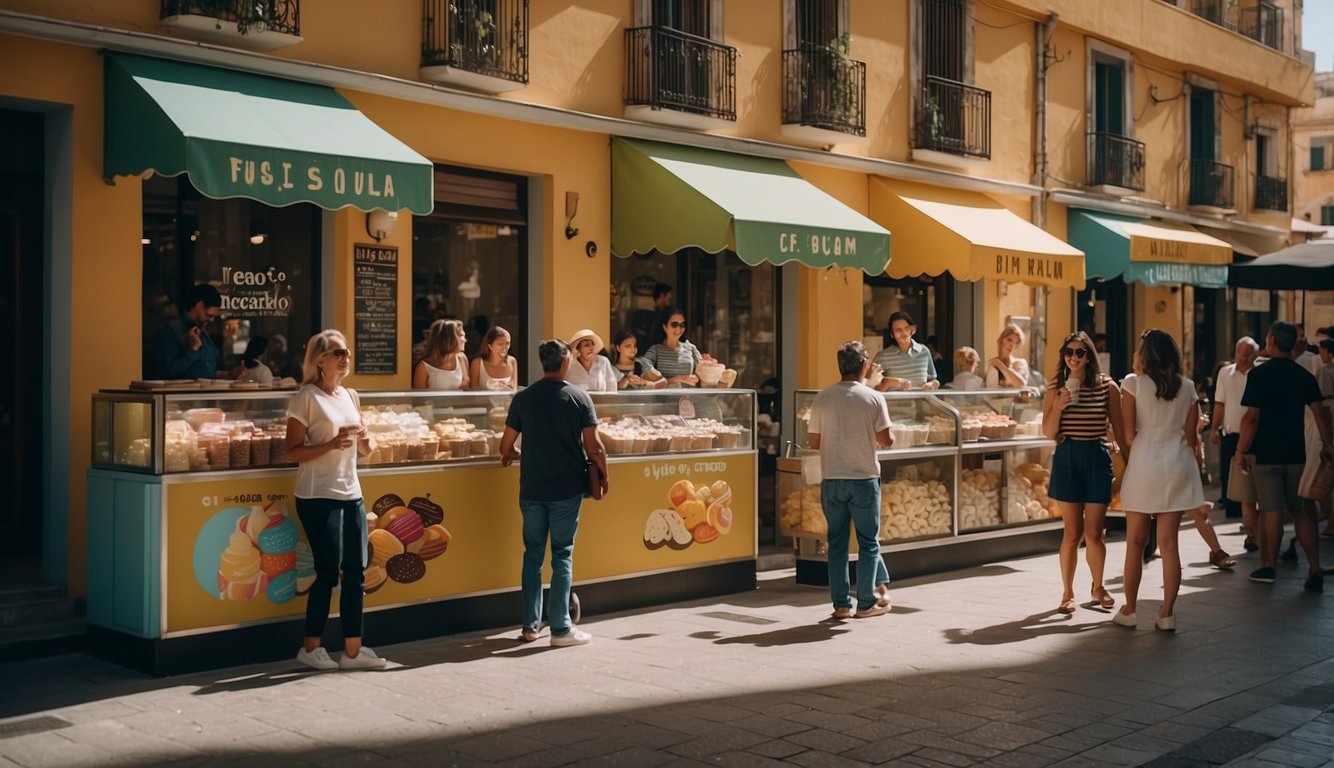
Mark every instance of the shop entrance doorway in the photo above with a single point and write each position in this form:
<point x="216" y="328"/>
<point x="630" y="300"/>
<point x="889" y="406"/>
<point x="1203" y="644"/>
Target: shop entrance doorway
<point x="22" y="329"/>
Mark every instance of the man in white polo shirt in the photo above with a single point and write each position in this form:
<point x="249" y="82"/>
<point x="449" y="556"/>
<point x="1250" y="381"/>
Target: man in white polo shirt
<point x="1226" y="428"/>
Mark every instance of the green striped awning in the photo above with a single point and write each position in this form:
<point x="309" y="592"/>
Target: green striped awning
<point x="265" y="138"/>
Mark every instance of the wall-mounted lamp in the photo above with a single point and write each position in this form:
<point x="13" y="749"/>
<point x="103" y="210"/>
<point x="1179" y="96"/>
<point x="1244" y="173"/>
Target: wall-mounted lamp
<point x="380" y="223"/>
<point x="571" y="208"/>
<point x="257" y="233"/>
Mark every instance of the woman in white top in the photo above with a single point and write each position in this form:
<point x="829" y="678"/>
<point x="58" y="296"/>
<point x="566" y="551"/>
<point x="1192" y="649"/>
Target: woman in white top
<point x="324" y="435"/>
<point x="252" y="367"/>
<point x="1007" y="369"/>
<point x="589" y="370"/>
<point x="493" y="368"/>
<point x="444" y="366"/>
<point x="1161" y="414"/>
<point x="965" y="362"/>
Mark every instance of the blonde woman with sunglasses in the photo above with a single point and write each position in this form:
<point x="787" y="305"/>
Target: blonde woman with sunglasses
<point x="1081" y="404"/>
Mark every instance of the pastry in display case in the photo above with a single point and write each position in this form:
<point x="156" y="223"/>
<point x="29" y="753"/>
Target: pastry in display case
<point x="917" y="419"/>
<point x="915" y="501"/>
<point x="193" y="431"/>
<point x="996" y="414"/>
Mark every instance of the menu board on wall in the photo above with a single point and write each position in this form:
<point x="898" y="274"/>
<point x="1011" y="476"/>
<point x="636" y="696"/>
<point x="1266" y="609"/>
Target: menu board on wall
<point x="375" y="301"/>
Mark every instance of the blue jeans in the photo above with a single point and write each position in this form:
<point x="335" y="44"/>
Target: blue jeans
<point x="560" y="521"/>
<point x="856" y="503"/>
<point x="336" y="531"/>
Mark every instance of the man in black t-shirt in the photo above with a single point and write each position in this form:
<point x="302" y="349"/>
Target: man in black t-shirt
<point x="1272" y="448"/>
<point x="559" y="428"/>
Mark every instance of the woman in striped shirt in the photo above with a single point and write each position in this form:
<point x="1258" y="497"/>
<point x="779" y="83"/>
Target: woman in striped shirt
<point x="1082" y="402"/>
<point x="674" y="357"/>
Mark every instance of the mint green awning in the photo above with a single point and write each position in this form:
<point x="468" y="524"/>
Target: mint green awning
<point x="241" y="135"/>
<point x="667" y="197"/>
<point x="1147" y="251"/>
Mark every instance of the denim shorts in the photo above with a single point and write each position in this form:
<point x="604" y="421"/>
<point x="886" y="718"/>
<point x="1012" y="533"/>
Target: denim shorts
<point x="1081" y="472"/>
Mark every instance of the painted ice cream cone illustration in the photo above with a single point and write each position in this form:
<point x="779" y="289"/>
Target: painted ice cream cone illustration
<point x="239" y="574"/>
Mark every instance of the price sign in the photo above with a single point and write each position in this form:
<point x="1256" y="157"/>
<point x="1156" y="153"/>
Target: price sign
<point x="375" y="295"/>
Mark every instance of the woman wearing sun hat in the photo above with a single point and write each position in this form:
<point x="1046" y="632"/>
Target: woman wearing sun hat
<point x="590" y="370"/>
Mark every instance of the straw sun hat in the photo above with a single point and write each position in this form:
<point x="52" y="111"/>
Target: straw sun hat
<point x="586" y="333"/>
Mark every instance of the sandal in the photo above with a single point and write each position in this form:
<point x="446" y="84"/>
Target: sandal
<point x="1220" y="560"/>
<point x="1103" y="598"/>
<point x="882" y="595"/>
<point x="1067" y="606"/>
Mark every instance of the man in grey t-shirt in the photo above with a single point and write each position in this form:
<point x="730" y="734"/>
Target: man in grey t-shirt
<point x="849" y="422"/>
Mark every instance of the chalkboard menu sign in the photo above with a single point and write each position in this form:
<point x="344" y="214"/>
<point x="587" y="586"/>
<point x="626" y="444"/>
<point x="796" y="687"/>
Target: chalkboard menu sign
<point x="375" y="301"/>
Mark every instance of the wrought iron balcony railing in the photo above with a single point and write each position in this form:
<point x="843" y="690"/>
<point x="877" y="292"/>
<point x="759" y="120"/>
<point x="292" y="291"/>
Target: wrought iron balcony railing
<point x="1115" y="160"/>
<point x="954" y="118"/>
<point x="669" y="69"/>
<point x="282" y="16"/>
<point x="1215" y="11"/>
<point x="824" y="89"/>
<point x="489" y="37"/>
<point x="1271" y="194"/>
<point x="1212" y="183"/>
<point x="1264" y="24"/>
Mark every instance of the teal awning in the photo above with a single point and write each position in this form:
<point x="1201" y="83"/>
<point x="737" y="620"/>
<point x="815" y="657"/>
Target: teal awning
<point x="241" y="135"/>
<point x="666" y="197"/>
<point x="1147" y="251"/>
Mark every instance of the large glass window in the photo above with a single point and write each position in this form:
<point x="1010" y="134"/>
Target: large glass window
<point x="264" y="261"/>
<point x="469" y="259"/>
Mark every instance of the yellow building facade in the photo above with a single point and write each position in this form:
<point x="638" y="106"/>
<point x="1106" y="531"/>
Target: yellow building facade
<point x="971" y="131"/>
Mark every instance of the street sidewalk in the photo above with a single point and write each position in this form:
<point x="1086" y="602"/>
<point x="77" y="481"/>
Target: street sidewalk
<point x="971" y="668"/>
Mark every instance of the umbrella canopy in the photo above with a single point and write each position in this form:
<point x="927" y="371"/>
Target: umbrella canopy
<point x="1302" y="267"/>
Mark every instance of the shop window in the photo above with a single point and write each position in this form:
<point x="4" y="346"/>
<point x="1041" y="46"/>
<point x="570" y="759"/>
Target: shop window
<point x="264" y="261"/>
<point x="731" y="307"/>
<point x="469" y="259"/>
<point x="926" y="300"/>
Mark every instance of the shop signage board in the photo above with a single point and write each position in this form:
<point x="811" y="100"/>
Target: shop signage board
<point x="236" y="552"/>
<point x="375" y="303"/>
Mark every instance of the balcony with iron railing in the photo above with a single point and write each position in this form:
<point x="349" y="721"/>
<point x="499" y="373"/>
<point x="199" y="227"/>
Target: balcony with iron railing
<point x="1264" y="24"/>
<point x="677" y="78"/>
<point x="253" y="24"/>
<point x="954" y="118"/>
<point x="824" y="90"/>
<point x="1212" y="184"/>
<point x="477" y="44"/>
<point x="1115" y="161"/>
<point x="1271" y="194"/>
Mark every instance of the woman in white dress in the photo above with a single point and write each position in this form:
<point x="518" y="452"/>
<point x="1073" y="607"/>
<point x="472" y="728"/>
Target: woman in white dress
<point x="1161" y="413"/>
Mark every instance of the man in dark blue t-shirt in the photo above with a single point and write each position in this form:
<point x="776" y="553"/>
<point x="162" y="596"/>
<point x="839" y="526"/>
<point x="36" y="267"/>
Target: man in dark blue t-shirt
<point x="1273" y="449"/>
<point x="559" y="428"/>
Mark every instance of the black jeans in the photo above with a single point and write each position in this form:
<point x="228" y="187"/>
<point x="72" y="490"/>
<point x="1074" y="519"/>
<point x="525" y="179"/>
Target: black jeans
<point x="1227" y="448"/>
<point x="336" y="530"/>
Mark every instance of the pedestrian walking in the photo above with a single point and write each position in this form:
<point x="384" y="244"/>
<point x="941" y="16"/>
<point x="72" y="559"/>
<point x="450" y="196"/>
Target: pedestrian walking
<point x="1080" y="405"/>
<point x="1226" y="430"/>
<point x="849" y="423"/>
<point x="560" y="439"/>
<point x="1273" y="450"/>
<point x="1161" y="415"/>
<point x="324" y="435"/>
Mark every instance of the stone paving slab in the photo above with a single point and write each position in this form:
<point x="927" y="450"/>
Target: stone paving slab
<point x="971" y="668"/>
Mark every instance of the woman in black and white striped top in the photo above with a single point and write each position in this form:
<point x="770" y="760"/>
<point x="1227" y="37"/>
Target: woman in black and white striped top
<point x="1081" y="404"/>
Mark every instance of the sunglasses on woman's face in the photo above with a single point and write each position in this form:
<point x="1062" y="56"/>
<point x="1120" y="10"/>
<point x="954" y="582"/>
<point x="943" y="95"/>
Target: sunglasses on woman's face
<point x="676" y="325"/>
<point x="1078" y="352"/>
<point x="340" y="352"/>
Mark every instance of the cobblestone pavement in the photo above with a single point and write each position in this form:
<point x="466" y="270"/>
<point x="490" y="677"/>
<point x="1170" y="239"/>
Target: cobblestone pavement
<point x="971" y="668"/>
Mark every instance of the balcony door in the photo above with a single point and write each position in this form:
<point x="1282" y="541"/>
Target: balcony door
<point x="1203" y="122"/>
<point x="685" y="75"/>
<point x="694" y="17"/>
<point x="1115" y="159"/>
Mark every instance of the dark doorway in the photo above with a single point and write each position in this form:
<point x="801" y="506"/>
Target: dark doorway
<point x="22" y="387"/>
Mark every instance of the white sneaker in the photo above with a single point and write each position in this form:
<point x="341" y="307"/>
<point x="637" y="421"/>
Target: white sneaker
<point x="365" y="659"/>
<point x="575" y="636"/>
<point x="316" y="659"/>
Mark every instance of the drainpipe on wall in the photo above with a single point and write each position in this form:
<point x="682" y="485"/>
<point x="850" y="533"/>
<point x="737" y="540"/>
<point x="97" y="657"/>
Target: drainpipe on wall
<point x="1038" y="332"/>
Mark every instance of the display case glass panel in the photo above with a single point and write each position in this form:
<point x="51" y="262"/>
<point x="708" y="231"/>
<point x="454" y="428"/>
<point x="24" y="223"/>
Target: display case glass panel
<point x="917" y="419"/>
<point x="996" y="414"/>
<point x="212" y="431"/>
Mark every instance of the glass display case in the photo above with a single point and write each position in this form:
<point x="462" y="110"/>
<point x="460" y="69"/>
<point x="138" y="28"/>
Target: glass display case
<point x="918" y="419"/>
<point x="917" y="494"/>
<point x="169" y="433"/>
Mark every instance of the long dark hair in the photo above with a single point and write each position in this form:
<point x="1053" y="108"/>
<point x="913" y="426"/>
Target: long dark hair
<point x="1160" y="360"/>
<point x="1091" y="370"/>
<point x="613" y="352"/>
